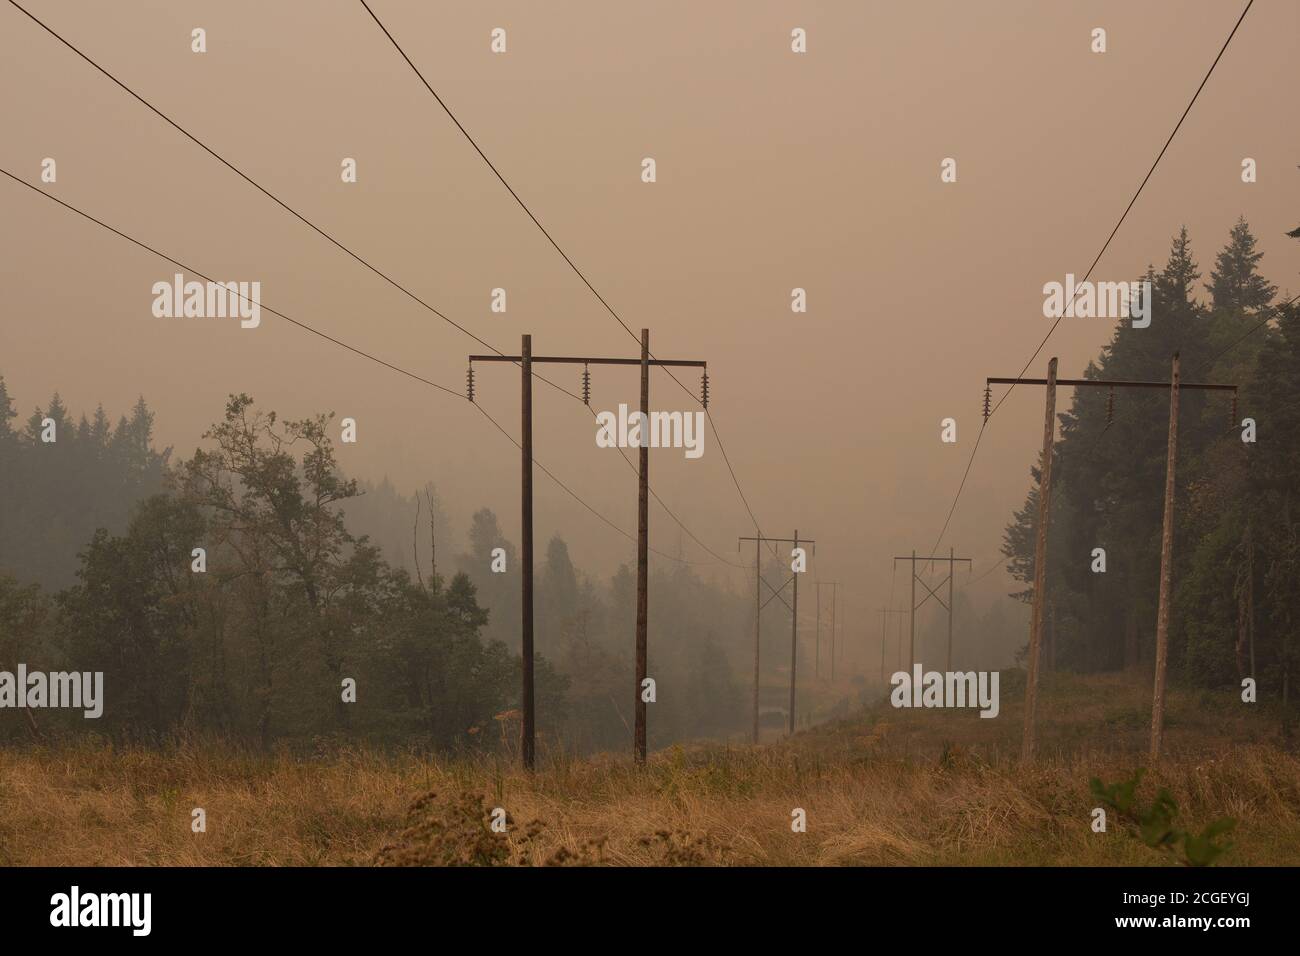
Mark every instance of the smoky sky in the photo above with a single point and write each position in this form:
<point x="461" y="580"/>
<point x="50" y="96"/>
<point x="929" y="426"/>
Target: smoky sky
<point x="774" y="171"/>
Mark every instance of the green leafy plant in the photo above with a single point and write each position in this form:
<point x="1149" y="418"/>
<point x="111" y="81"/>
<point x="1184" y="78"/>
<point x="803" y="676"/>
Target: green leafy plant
<point x="1155" y="824"/>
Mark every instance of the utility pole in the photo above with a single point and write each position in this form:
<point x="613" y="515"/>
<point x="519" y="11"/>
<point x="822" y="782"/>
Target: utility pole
<point x="1166" y="571"/>
<point x="900" y="642"/>
<point x="817" y="665"/>
<point x="884" y="617"/>
<point x="528" y="728"/>
<point x="794" y="634"/>
<point x="759" y="581"/>
<point x="953" y="561"/>
<point x="758" y="620"/>
<point x="1175" y="385"/>
<point x="525" y="360"/>
<point x="835" y="589"/>
<point x="1029" y="741"/>
<point x="642" y="557"/>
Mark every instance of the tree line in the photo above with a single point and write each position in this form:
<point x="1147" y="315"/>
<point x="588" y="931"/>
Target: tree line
<point x="1236" y="549"/>
<point x="293" y="626"/>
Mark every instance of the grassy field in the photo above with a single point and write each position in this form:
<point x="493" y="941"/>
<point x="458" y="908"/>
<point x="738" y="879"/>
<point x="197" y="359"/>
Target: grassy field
<point x="884" y="787"/>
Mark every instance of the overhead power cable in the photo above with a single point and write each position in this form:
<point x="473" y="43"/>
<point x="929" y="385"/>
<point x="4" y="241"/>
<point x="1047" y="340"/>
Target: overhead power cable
<point x="564" y="255"/>
<point x="1095" y="261"/>
<point x="329" y="338"/>
<point x="266" y="192"/>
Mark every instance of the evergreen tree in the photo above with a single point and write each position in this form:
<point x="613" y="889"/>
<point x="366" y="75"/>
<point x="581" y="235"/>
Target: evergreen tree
<point x="1235" y="284"/>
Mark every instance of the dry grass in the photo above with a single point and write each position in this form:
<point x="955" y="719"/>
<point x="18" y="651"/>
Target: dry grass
<point x="889" y="787"/>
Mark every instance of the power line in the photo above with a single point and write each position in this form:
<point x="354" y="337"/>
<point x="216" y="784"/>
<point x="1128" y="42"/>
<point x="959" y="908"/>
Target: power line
<point x="672" y="515"/>
<point x="329" y="338"/>
<point x="1096" y="260"/>
<point x="551" y="239"/>
<point x="176" y="262"/>
<point x="266" y="192"/>
<point x="262" y="189"/>
<point x="992" y="568"/>
<point x="1131" y="202"/>
<point x="522" y="205"/>
<point x="1268" y="314"/>
<point x="1268" y="317"/>
<point x="573" y="494"/>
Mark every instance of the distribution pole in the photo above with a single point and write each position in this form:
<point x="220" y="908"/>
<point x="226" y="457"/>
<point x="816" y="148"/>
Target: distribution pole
<point x="758" y="617"/>
<point x="835" y="590"/>
<point x="953" y="561"/>
<point x="817" y="665"/>
<point x="642" y="555"/>
<point x="794" y="634"/>
<point x="527" y="728"/>
<point x="1175" y="386"/>
<point x="1029" y="742"/>
<point x="1166" y="572"/>
<point x="911" y="644"/>
<point x="759" y="583"/>
<point x="526" y="360"/>
<point x="884" y="617"/>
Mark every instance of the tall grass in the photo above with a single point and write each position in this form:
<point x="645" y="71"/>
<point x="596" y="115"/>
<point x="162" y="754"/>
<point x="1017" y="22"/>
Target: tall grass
<point x="885" y="787"/>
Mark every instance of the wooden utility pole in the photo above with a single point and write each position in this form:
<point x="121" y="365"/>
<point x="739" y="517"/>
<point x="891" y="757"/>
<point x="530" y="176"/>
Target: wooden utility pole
<point x="526" y="360"/>
<point x="642" y="555"/>
<point x="835" y="590"/>
<point x="758" y="620"/>
<point x="817" y="664"/>
<point x="759" y="604"/>
<point x="1029" y="740"/>
<point x="900" y="642"/>
<point x="884" y="618"/>
<point x="1175" y="385"/>
<point x="794" y="633"/>
<point x="884" y="626"/>
<point x="1166" y="572"/>
<point x="953" y="561"/>
<point x="528" y="729"/>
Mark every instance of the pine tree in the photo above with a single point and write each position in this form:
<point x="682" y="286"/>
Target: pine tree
<point x="1235" y="285"/>
<point x="1178" y="280"/>
<point x="7" y="412"/>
